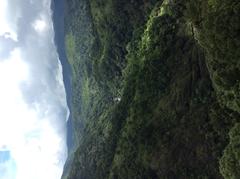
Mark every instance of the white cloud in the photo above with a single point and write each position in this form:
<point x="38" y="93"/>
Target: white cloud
<point x="39" y="25"/>
<point x="5" y="25"/>
<point x="33" y="107"/>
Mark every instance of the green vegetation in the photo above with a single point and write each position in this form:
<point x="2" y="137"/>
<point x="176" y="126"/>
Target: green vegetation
<point x="71" y="49"/>
<point x="230" y="161"/>
<point x="217" y="24"/>
<point x="155" y="88"/>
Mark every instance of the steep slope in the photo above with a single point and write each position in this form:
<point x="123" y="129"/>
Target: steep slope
<point x="155" y="88"/>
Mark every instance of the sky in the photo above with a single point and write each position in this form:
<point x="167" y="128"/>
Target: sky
<point x="33" y="108"/>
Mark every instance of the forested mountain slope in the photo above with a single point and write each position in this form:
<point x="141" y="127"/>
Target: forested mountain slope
<point x="156" y="88"/>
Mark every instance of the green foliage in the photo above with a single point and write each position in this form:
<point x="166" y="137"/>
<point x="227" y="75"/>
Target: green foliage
<point x="114" y="22"/>
<point x="218" y="33"/>
<point x="216" y="25"/>
<point x="71" y="48"/>
<point x="174" y="66"/>
<point x="156" y="116"/>
<point x="229" y="163"/>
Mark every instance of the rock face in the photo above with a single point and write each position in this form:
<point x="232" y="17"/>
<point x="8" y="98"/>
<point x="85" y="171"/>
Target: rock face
<point x="175" y="66"/>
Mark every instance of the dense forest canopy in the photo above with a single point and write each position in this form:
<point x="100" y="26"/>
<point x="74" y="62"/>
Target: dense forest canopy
<point x="156" y="88"/>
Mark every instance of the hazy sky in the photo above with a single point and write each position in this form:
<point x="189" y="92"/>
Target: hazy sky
<point x="33" y="106"/>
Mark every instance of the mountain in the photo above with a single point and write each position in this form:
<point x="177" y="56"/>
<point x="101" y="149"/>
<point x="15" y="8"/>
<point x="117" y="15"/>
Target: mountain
<point x="57" y="7"/>
<point x="155" y="88"/>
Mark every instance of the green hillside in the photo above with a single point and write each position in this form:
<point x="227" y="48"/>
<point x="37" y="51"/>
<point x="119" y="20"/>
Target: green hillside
<point x="156" y="88"/>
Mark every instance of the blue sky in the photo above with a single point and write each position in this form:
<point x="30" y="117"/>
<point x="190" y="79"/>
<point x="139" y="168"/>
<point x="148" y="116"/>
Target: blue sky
<point x="5" y="156"/>
<point x="33" y="108"/>
<point x="7" y="165"/>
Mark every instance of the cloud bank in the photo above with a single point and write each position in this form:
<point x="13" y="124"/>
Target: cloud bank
<point x="33" y="108"/>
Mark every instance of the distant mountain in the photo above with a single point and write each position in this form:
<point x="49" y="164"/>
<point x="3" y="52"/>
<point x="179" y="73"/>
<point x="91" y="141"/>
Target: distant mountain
<point x="57" y="7"/>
